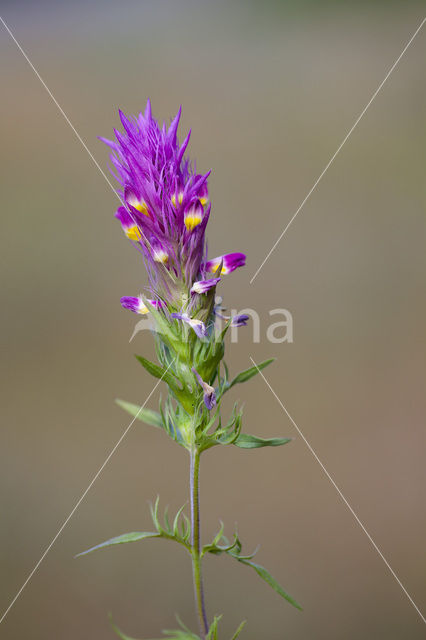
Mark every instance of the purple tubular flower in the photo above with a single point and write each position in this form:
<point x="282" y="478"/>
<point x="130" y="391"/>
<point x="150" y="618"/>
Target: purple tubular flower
<point x="197" y="325"/>
<point x="203" y="286"/>
<point x="129" y="224"/>
<point x="159" y="251"/>
<point x="240" y="320"/>
<point x="203" y="193"/>
<point x="230" y="262"/>
<point x="165" y="202"/>
<point x="193" y="215"/>
<point x="137" y="305"/>
<point x="209" y="392"/>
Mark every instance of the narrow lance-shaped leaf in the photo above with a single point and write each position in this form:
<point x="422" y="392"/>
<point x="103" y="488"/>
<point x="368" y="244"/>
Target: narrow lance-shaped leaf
<point x="246" y="441"/>
<point x="148" y="416"/>
<point x="249" y="373"/>
<point x="266" y="576"/>
<point x="238" y="631"/>
<point x="158" y="372"/>
<point x="168" y="377"/>
<point x="134" y="536"/>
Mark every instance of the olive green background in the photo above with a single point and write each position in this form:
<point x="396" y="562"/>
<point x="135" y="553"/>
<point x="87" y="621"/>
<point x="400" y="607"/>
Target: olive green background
<point x="270" y="89"/>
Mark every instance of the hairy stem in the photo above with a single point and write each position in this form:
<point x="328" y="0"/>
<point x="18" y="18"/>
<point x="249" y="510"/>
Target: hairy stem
<point x="195" y="542"/>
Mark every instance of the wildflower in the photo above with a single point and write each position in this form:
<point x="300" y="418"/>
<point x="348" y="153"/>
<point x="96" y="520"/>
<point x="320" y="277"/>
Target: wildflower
<point x="155" y="181"/>
<point x="165" y="211"/>
<point x="230" y="262"/>
<point x="166" y="208"/>
<point x="159" y="253"/>
<point x="209" y="392"/>
<point x="197" y="325"/>
<point x="137" y="305"/>
<point x="129" y="225"/>
<point x="135" y="202"/>
<point x="203" y="193"/>
<point x="203" y="286"/>
<point x="239" y="320"/>
<point x="193" y="215"/>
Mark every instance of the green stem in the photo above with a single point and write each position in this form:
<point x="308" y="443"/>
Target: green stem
<point x="195" y="542"/>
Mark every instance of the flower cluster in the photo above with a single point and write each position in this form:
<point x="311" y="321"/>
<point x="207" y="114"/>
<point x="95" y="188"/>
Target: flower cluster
<point x="165" y="211"/>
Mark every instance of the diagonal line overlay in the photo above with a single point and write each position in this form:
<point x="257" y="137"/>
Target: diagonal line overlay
<point x="333" y="157"/>
<point x="340" y="493"/>
<point x="78" y="136"/>
<point x="78" y="503"/>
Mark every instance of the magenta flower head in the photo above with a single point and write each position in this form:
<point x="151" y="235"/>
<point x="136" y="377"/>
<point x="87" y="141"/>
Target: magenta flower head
<point x="166" y="208"/>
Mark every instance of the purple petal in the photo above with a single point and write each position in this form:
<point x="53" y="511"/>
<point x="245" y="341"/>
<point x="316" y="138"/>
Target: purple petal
<point x="230" y="262"/>
<point x="209" y="392"/>
<point x="198" y="326"/>
<point x="136" y="305"/>
<point x="240" y="320"/>
<point x="203" y="286"/>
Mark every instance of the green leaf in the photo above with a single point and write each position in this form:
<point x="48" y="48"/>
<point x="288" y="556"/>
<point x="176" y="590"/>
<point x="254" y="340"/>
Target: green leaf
<point x="238" y="631"/>
<point x="249" y="373"/>
<point x="166" y="374"/>
<point x="212" y="634"/>
<point x="120" y="633"/>
<point x="266" y="576"/>
<point x="246" y="441"/>
<point x="158" y="372"/>
<point x="148" y="416"/>
<point x="134" y="536"/>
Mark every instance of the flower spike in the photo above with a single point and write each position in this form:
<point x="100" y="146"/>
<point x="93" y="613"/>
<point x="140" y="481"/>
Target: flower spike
<point x="166" y="208"/>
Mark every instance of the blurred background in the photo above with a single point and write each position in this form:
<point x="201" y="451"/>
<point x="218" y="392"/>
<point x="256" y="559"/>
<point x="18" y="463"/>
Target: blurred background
<point x="270" y="89"/>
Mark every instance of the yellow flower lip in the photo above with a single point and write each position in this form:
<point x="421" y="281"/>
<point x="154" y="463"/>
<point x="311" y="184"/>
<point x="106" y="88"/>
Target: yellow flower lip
<point x="192" y="220"/>
<point x="137" y="203"/>
<point x="133" y="233"/>
<point x="142" y="308"/>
